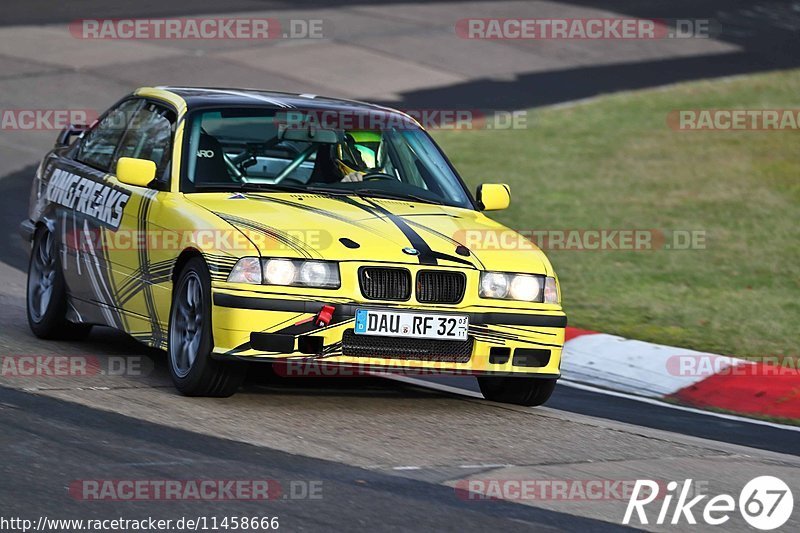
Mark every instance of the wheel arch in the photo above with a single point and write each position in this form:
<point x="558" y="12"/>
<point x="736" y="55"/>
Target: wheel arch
<point x="184" y="257"/>
<point x="47" y="222"/>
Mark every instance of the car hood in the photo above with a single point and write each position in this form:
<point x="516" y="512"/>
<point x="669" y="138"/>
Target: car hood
<point x="348" y="228"/>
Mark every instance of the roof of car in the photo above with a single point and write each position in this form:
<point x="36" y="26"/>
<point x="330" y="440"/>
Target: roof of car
<point x="195" y="97"/>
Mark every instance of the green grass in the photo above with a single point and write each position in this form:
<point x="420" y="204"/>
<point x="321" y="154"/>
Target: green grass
<point x="614" y="163"/>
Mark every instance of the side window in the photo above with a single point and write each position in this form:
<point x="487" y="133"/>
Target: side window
<point x="149" y="136"/>
<point x="99" y="144"/>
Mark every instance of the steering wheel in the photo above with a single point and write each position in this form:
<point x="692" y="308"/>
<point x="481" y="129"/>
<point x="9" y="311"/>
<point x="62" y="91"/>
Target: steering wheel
<point x="375" y="175"/>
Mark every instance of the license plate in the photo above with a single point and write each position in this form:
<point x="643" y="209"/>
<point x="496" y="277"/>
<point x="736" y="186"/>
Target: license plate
<point x="417" y="325"/>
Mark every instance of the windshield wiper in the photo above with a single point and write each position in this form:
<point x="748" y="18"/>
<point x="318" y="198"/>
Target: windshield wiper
<point x="239" y="187"/>
<point x="388" y="195"/>
<point x="376" y="193"/>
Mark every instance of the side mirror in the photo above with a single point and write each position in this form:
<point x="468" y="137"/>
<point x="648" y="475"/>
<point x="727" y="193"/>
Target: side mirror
<point x="136" y="172"/>
<point x="66" y="135"/>
<point x="493" y="196"/>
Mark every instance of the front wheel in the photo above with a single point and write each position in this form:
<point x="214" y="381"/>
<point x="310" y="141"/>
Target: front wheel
<point x="517" y="390"/>
<point x="194" y="372"/>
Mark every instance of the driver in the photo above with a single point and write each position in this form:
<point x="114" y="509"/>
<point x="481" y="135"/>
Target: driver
<point x="358" y="155"/>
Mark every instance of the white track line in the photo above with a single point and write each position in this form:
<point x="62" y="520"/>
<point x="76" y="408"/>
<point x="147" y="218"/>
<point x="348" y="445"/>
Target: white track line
<point x="590" y="388"/>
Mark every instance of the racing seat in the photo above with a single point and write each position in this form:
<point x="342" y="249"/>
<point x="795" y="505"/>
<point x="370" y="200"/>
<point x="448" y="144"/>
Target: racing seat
<point x="210" y="164"/>
<point x="325" y="168"/>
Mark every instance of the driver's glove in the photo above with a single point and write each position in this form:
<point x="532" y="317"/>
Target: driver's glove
<point x="354" y="176"/>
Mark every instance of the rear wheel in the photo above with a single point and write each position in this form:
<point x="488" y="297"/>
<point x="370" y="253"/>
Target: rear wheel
<point x="517" y="390"/>
<point x="194" y="372"/>
<point x="47" y="292"/>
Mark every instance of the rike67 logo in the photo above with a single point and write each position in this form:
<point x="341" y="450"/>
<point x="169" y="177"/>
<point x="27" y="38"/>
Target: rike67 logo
<point x="765" y="503"/>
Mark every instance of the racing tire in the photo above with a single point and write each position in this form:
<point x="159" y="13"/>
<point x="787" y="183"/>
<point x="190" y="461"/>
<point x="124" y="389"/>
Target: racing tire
<point x="517" y="390"/>
<point x="46" y="293"/>
<point x="190" y="343"/>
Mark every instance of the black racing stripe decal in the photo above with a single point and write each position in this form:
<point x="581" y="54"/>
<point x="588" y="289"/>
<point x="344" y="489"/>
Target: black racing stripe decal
<point x="96" y="272"/>
<point x="529" y="331"/>
<point x="492" y="335"/>
<point x="420" y="215"/>
<point x="454" y="242"/>
<point x="284" y="238"/>
<point x="293" y="320"/>
<point x="426" y="255"/>
<point x="452" y="258"/>
<point x="488" y="340"/>
<point x="308" y="208"/>
<point x="122" y="317"/>
<point x="158" y="339"/>
<point x="150" y="274"/>
<point x="332" y="350"/>
<point x="241" y="348"/>
<point x="219" y="266"/>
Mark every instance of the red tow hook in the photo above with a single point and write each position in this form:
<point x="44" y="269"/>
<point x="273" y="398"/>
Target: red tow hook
<point x="325" y="315"/>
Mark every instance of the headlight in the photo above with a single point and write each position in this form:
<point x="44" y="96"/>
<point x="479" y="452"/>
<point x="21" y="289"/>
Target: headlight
<point x="322" y="274"/>
<point x="494" y="285"/>
<point x="298" y="272"/>
<point x="318" y="273"/>
<point x="522" y="287"/>
<point x="286" y="272"/>
<point x="279" y="272"/>
<point x="246" y="270"/>
<point x="525" y="288"/>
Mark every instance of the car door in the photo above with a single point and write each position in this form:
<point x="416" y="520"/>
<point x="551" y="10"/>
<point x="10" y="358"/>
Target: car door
<point x="140" y="264"/>
<point x="86" y="206"/>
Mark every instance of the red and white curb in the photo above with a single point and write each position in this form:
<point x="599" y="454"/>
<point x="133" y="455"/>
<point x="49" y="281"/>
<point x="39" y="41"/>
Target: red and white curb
<point x="692" y="378"/>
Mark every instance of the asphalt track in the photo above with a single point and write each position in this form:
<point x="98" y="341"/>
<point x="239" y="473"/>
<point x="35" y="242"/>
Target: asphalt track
<point x="764" y="32"/>
<point x="387" y="453"/>
<point x="62" y="440"/>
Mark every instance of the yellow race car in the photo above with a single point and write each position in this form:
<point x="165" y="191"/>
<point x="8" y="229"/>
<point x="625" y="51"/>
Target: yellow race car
<point x="236" y="226"/>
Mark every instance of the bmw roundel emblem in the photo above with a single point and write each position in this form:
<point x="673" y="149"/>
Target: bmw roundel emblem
<point x="410" y="251"/>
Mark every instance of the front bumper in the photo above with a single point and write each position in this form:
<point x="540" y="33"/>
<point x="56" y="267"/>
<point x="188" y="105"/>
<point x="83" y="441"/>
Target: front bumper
<point x="256" y="326"/>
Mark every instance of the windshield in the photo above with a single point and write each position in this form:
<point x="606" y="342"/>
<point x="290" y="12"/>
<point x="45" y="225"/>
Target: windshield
<point x="248" y="148"/>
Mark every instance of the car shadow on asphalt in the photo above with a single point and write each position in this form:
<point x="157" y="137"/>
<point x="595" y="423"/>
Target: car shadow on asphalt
<point x="261" y="377"/>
